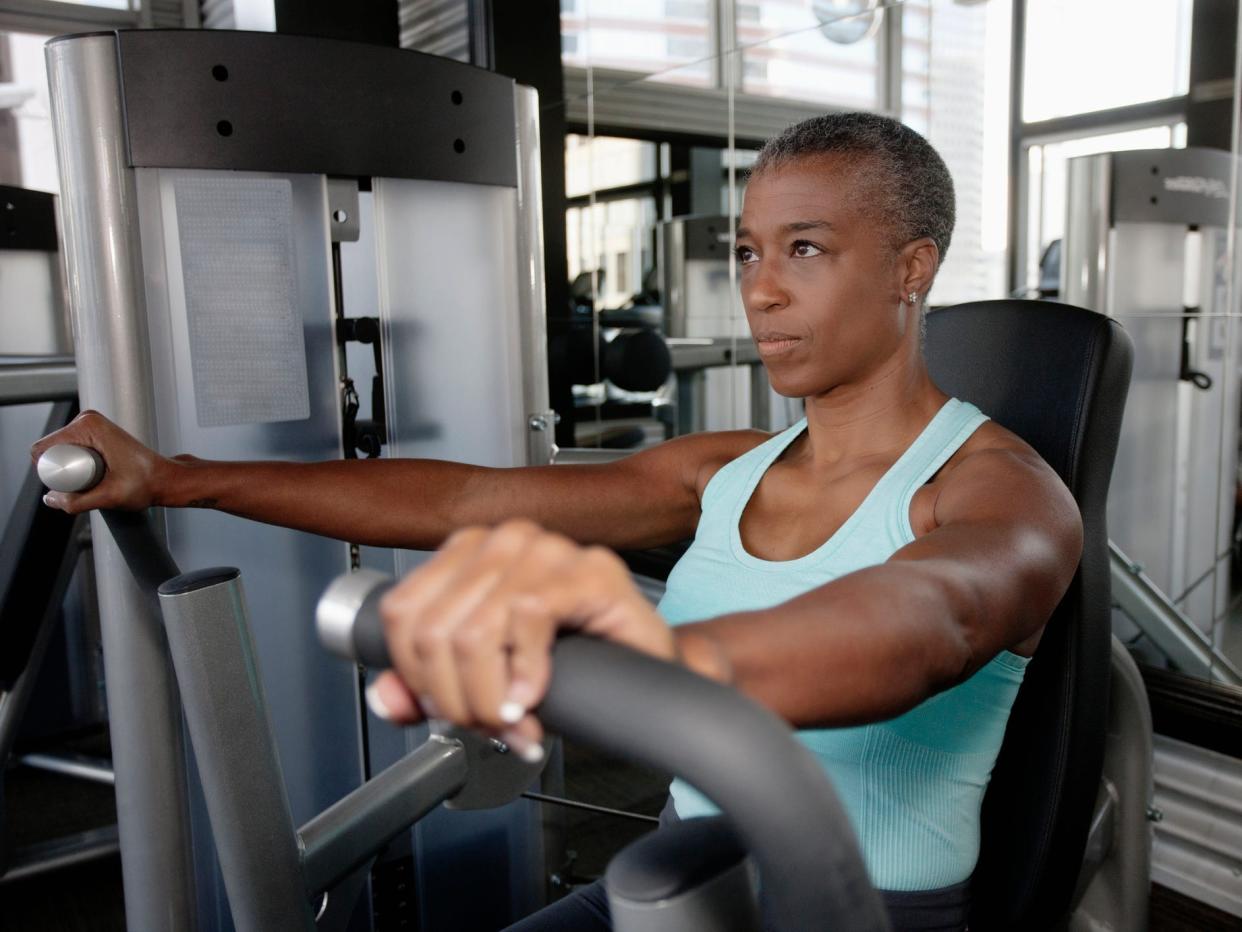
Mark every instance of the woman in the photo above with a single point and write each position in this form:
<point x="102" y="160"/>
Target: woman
<point x="878" y="574"/>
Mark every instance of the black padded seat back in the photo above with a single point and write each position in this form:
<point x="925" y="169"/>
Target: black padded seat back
<point x="1056" y="376"/>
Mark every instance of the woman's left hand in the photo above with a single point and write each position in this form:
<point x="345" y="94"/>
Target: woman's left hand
<point x="470" y="632"/>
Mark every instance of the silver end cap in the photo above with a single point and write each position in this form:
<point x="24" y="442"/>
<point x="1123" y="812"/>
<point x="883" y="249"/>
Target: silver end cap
<point x="68" y="467"/>
<point x="338" y="608"/>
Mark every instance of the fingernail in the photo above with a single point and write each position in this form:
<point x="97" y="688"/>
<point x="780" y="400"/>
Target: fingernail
<point x="521" y="693"/>
<point x="529" y="751"/>
<point x="376" y="704"/>
<point x="47" y="500"/>
<point x="512" y="712"/>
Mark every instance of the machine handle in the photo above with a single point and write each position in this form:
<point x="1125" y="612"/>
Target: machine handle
<point x="662" y="715"/>
<point x="68" y="467"/>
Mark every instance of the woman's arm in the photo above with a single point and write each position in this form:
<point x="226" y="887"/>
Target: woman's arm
<point x="876" y="643"/>
<point x="643" y="500"/>
<point x="469" y="632"/>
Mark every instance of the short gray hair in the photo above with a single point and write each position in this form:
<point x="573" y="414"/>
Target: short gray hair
<point x="913" y="195"/>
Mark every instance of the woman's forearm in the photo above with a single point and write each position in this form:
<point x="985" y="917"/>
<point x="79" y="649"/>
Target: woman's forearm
<point x="867" y="647"/>
<point x="386" y="503"/>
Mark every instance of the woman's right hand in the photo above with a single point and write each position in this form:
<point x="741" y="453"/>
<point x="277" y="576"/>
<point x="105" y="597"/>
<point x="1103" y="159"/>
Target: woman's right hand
<point x="132" y="471"/>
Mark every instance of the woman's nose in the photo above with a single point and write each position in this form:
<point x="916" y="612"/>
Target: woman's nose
<point x="764" y="291"/>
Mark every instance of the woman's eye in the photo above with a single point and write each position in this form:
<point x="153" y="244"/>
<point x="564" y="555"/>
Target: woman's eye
<point x="804" y="250"/>
<point x="744" y="254"/>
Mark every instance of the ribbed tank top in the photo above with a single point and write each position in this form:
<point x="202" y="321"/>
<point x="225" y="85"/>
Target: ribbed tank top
<point x="912" y="786"/>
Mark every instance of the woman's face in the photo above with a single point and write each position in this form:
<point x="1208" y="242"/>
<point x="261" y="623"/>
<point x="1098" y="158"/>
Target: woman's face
<point x="821" y="282"/>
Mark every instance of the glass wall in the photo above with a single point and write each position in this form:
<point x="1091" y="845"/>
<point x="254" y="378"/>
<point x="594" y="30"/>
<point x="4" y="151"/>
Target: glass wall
<point x="700" y="86"/>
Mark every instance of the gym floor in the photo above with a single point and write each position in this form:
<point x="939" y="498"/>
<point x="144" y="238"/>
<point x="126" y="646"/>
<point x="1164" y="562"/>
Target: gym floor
<point x="88" y="898"/>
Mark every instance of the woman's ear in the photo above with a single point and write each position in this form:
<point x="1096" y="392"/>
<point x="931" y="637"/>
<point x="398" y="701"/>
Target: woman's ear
<point x="918" y="262"/>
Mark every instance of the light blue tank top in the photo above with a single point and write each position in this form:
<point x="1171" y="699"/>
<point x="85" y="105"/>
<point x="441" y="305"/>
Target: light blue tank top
<point x="912" y="786"/>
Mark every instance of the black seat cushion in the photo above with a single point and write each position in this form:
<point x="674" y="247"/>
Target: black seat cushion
<point x="1056" y="376"/>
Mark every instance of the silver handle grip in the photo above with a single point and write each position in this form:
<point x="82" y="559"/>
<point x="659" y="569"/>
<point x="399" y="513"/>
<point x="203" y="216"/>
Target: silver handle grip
<point x="68" y="467"/>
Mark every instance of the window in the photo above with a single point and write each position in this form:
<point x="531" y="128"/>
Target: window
<point x="603" y="162"/>
<point x="785" y="54"/>
<point x="622" y="275"/>
<point x="955" y="77"/>
<point x="616" y="238"/>
<point x="27" y="151"/>
<point x="1046" y="165"/>
<point x="1082" y="57"/>
<point x="673" y="40"/>
<point x="692" y="10"/>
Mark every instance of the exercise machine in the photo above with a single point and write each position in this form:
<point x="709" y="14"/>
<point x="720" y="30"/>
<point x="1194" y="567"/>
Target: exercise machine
<point x="256" y="228"/>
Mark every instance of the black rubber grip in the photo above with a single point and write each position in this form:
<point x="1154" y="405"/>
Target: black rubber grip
<point x="368" y="632"/>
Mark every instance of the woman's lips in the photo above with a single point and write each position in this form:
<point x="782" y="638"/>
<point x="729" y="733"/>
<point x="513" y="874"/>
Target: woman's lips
<point x="773" y="344"/>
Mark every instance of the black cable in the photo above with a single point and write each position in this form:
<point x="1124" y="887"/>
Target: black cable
<point x="590" y="807"/>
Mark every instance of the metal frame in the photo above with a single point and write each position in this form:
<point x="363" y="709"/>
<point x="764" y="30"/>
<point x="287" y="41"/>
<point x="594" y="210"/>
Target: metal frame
<point x="58" y="558"/>
<point x="271" y="869"/>
<point x="1131" y="116"/>
<point x="107" y="297"/>
<point x="890" y="60"/>
<point x="51" y="378"/>
<point x="541" y="419"/>
<point x="193" y="99"/>
<point x="94" y="114"/>
<point x="1160" y="620"/>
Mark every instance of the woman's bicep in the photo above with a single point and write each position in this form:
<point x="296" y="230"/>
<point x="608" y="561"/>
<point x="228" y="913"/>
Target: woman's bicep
<point x="646" y="499"/>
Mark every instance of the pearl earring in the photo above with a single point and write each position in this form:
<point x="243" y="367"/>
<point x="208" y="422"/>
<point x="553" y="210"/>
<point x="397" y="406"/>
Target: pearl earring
<point x="914" y="297"/>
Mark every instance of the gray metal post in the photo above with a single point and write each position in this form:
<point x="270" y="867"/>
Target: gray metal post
<point x="209" y="639"/>
<point x="106" y="297"/>
<point x="532" y="296"/>
<point x="347" y="834"/>
<point x="1116" y="875"/>
<point x="52" y="379"/>
<point x="1084" y="253"/>
<point x="1172" y="632"/>
<point x="691" y="401"/>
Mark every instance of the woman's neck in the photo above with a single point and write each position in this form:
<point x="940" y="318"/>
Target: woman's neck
<point x="881" y="414"/>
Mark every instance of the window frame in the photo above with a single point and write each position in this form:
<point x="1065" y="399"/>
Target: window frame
<point x="623" y="102"/>
<point x="50" y="17"/>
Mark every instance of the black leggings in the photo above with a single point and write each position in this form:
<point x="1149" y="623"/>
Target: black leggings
<point x="586" y="910"/>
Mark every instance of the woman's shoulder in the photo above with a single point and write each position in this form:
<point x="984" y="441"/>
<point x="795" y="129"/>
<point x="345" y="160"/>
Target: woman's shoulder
<point x="990" y="455"/>
<point x="992" y="439"/>
<point x="713" y="450"/>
